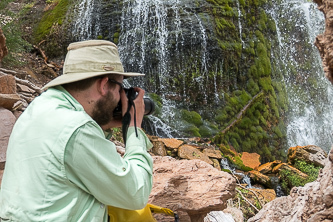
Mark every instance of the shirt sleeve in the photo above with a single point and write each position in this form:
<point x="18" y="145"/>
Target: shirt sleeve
<point x="93" y="164"/>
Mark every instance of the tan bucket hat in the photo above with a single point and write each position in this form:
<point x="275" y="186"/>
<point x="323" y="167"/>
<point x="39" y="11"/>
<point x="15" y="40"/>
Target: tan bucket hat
<point x="88" y="59"/>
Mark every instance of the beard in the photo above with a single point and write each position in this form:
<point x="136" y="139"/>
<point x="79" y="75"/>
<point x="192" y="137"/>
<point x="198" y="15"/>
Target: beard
<point x="103" y="110"/>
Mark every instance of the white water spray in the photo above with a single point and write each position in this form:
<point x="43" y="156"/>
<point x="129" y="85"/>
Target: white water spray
<point x="309" y="92"/>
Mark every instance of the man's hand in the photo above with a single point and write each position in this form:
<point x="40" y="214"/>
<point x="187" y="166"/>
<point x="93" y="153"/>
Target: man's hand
<point x="139" y="106"/>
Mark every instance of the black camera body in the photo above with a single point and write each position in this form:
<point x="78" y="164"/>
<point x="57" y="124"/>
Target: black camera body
<point x="131" y="95"/>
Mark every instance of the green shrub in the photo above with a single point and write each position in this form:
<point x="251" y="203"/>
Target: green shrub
<point x="290" y="180"/>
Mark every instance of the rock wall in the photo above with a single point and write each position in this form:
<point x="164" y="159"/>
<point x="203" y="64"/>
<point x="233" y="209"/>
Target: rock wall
<point x="3" y="48"/>
<point x="324" y="41"/>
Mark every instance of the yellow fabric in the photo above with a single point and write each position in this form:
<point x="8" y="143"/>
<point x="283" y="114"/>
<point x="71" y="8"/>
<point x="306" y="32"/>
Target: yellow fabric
<point x="123" y="215"/>
<point x="143" y="215"/>
<point x="157" y="209"/>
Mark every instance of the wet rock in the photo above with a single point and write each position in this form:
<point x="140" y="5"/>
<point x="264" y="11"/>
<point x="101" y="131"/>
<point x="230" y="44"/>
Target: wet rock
<point x="268" y="167"/>
<point x="310" y="154"/>
<point x="251" y="159"/>
<point x="284" y="166"/>
<point x="260" y="178"/>
<point x="312" y="203"/>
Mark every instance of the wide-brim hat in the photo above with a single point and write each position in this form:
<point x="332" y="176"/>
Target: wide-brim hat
<point x="88" y="59"/>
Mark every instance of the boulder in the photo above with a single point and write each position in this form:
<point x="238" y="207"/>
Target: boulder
<point x="212" y="153"/>
<point x="284" y="166"/>
<point x="8" y="95"/>
<point x="158" y="146"/>
<point x="264" y="195"/>
<point x="8" y="100"/>
<point x="171" y="143"/>
<point x="7" y="121"/>
<point x="251" y="160"/>
<point x="7" y="84"/>
<point x="312" y="203"/>
<point x="267" y="168"/>
<point x="191" y="188"/>
<point x="310" y="154"/>
<point x="260" y="178"/>
<point x="189" y="152"/>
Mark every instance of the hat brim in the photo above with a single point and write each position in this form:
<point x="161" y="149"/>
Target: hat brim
<point x="74" y="77"/>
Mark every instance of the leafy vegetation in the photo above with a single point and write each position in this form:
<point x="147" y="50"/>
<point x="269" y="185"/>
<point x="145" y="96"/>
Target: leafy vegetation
<point x="290" y="180"/>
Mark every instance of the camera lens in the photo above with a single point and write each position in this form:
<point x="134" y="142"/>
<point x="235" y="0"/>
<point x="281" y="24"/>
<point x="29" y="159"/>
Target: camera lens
<point x="149" y="106"/>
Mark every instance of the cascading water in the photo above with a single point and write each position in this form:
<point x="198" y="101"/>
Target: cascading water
<point x="153" y="33"/>
<point x="149" y="32"/>
<point x="87" y="20"/>
<point x="310" y="116"/>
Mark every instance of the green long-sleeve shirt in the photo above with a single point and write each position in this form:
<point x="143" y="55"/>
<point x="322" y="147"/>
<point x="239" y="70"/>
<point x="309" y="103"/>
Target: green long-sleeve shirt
<point x="60" y="166"/>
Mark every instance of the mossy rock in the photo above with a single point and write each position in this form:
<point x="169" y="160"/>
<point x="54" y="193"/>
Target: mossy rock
<point x="192" y="117"/>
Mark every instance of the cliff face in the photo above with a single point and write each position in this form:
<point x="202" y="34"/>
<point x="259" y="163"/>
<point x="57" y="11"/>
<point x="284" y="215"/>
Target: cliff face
<point x="324" y="41"/>
<point x="3" y="48"/>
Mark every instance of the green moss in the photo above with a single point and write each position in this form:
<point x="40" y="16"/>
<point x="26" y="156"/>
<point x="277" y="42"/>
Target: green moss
<point x="51" y="18"/>
<point x="192" y="117"/>
<point x="192" y="130"/>
<point x="15" y="44"/>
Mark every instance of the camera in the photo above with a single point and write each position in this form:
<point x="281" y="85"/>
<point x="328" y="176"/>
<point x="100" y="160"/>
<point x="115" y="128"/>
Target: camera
<point x="131" y="95"/>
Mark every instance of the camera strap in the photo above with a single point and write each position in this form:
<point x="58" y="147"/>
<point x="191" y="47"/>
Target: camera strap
<point x="127" y="119"/>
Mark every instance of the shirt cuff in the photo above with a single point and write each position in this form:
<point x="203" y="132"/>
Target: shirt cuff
<point x="142" y="138"/>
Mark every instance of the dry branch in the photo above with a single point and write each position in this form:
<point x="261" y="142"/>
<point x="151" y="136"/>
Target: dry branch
<point x="29" y="84"/>
<point x="240" y="192"/>
<point x="241" y="113"/>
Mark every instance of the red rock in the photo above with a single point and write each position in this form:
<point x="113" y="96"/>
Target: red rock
<point x="191" y="188"/>
<point x="251" y="159"/>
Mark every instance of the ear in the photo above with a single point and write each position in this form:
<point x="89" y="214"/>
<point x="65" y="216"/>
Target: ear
<point x="102" y="85"/>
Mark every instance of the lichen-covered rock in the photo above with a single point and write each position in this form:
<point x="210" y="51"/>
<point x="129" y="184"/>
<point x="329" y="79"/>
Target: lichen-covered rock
<point x="268" y="167"/>
<point x="310" y="154"/>
<point x="191" y="188"/>
<point x="284" y="166"/>
<point x="251" y="159"/>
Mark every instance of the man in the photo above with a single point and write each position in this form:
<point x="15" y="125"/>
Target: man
<point x="60" y="166"/>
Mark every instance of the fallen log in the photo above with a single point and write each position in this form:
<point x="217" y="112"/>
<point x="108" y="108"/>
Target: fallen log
<point x="241" y="113"/>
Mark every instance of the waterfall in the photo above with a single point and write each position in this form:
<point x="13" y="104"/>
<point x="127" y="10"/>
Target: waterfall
<point x="154" y="30"/>
<point x="87" y="20"/>
<point x="310" y="116"/>
<point x="239" y="22"/>
<point x="152" y="33"/>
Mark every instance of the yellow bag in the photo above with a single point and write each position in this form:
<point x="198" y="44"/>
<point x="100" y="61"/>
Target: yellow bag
<point x="144" y="215"/>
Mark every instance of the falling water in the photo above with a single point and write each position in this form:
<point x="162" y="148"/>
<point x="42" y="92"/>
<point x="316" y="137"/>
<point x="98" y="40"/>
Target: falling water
<point x="239" y="22"/>
<point x="87" y="18"/>
<point x="154" y="31"/>
<point x="310" y="116"/>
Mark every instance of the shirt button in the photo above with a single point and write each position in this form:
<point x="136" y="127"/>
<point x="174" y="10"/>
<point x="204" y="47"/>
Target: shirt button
<point x="124" y="169"/>
<point x="102" y="206"/>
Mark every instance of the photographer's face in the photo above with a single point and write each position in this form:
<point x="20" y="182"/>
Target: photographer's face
<point x="103" y="110"/>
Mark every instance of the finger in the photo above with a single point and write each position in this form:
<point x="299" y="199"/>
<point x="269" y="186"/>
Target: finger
<point x="140" y="92"/>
